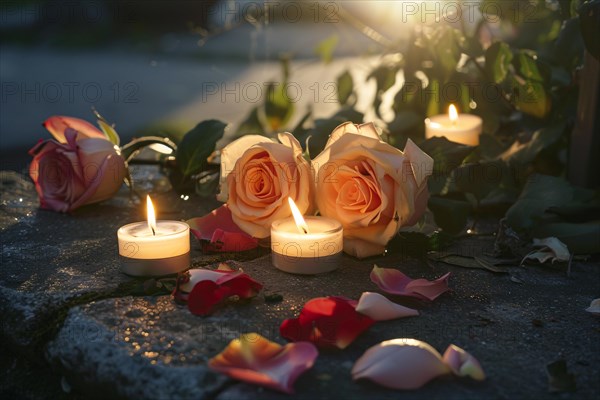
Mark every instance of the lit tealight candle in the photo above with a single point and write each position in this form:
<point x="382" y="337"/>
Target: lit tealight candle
<point x="306" y="245"/>
<point x="154" y="248"/>
<point x="459" y="128"/>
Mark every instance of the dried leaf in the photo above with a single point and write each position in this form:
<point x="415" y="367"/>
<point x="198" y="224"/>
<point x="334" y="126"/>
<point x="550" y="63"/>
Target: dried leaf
<point x="550" y="249"/>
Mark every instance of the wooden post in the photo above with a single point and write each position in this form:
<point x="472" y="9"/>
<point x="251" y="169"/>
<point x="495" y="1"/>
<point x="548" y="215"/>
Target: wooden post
<point x="584" y="154"/>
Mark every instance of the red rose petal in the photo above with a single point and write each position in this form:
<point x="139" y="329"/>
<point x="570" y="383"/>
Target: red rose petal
<point x="211" y="287"/>
<point x="218" y="233"/>
<point x="392" y="281"/>
<point x="329" y="322"/>
<point x="205" y="296"/>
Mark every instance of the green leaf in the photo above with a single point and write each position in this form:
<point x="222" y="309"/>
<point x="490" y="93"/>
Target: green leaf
<point x="197" y="145"/>
<point x="446" y="155"/>
<point x="480" y="178"/>
<point x="520" y="154"/>
<point x="540" y="193"/>
<point x="326" y="47"/>
<point x="417" y="244"/>
<point x="251" y="124"/>
<point x="445" y="43"/>
<point x="319" y="134"/>
<point x="449" y="214"/>
<point x="433" y="106"/>
<point x="278" y="108"/>
<point x="498" y="58"/>
<point x="529" y="93"/>
<point x="129" y="150"/>
<point x="110" y="132"/>
<point x="406" y="124"/>
<point x="579" y="238"/>
<point x="345" y="87"/>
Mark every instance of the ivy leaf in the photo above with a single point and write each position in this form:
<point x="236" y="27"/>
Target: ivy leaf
<point x="345" y="87"/>
<point x="449" y="214"/>
<point x="197" y="145"/>
<point x="326" y="47"/>
<point x="498" y="58"/>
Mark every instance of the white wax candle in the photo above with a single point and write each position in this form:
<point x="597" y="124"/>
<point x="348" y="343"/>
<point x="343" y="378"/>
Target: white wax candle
<point x="306" y="253"/>
<point x="459" y="128"/>
<point x="136" y="240"/>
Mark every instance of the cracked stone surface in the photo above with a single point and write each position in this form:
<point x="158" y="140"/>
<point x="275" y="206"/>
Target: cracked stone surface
<point x="111" y="344"/>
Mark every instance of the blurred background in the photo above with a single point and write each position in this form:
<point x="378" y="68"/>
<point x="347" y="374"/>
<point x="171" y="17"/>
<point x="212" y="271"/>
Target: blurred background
<point x="160" y="67"/>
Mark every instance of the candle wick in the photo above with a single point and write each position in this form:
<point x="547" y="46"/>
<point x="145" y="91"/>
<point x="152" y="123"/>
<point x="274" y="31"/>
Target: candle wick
<point x="305" y="231"/>
<point x="153" y="231"/>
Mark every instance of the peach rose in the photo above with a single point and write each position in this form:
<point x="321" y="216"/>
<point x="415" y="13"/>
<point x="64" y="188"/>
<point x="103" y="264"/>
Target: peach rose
<point x="371" y="187"/>
<point x="81" y="167"/>
<point x="258" y="175"/>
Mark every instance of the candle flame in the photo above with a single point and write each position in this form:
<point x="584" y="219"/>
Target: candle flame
<point x="453" y="114"/>
<point x="151" y="215"/>
<point x="300" y="222"/>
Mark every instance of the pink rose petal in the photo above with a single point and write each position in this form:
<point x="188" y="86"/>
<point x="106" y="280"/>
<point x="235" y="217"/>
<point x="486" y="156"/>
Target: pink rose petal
<point x="392" y="281"/>
<point x="218" y="233"/>
<point x="379" y="308"/>
<point x="58" y="126"/>
<point x="405" y="364"/>
<point x="256" y="360"/>
<point x="462" y="363"/>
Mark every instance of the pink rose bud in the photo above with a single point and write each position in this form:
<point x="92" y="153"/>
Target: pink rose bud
<point x="83" y="168"/>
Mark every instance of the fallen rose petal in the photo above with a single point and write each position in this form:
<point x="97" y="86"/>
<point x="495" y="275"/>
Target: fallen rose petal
<point x="205" y="296"/>
<point x="392" y="281"/>
<point x="379" y="308"/>
<point x="201" y="274"/>
<point x="328" y="322"/>
<point x="256" y="360"/>
<point x="400" y="364"/>
<point x="594" y="307"/>
<point x="218" y="233"/>
<point x="203" y="289"/>
<point x="462" y="363"/>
